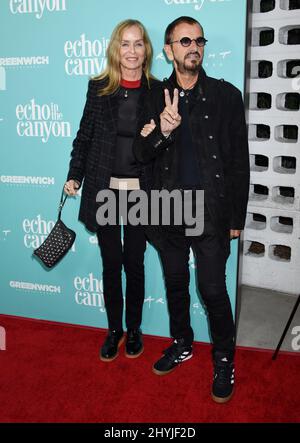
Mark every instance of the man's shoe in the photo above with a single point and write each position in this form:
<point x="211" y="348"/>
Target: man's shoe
<point x="134" y="343"/>
<point x="223" y="383"/>
<point x="177" y="353"/>
<point x="113" y="341"/>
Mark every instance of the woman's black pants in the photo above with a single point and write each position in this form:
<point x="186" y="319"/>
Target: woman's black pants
<point x="115" y="256"/>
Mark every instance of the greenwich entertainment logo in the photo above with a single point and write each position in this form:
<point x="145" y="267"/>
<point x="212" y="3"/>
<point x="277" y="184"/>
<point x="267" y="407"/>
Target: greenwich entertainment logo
<point x="27" y="180"/>
<point x="24" y="61"/>
<point x="198" y="4"/>
<point x="35" y="287"/>
<point x="89" y="292"/>
<point x="41" y="121"/>
<point x="2" y="83"/>
<point x="36" y="7"/>
<point x="84" y="56"/>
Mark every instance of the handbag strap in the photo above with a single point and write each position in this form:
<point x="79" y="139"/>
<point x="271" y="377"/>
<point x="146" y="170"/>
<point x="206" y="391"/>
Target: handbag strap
<point x="62" y="202"/>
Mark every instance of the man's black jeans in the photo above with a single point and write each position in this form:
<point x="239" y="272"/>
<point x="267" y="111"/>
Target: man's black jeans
<point x="114" y="257"/>
<point x="210" y="259"/>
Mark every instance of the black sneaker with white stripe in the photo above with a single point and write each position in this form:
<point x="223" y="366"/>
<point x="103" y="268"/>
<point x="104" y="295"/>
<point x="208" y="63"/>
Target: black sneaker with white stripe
<point x="177" y="353"/>
<point x="223" y="382"/>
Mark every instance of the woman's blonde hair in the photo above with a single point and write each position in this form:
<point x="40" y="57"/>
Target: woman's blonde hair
<point x="112" y="71"/>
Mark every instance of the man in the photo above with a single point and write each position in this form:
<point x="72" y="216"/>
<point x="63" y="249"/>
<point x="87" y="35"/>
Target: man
<point x="195" y="135"/>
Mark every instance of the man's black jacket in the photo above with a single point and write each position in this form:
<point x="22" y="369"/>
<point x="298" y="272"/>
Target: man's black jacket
<point x="219" y="134"/>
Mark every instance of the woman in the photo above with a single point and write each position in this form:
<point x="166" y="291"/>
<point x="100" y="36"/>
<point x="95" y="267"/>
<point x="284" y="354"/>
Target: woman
<point x="102" y="155"/>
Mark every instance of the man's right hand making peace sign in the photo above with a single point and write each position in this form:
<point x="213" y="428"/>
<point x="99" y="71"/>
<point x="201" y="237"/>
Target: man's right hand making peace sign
<point x="169" y="118"/>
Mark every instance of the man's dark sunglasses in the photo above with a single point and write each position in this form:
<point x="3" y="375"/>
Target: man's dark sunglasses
<point x="187" y="41"/>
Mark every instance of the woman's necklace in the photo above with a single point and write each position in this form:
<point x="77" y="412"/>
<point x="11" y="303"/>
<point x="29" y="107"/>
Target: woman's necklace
<point x="130" y="84"/>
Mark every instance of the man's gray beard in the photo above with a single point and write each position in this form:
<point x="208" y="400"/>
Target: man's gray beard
<point x="192" y="69"/>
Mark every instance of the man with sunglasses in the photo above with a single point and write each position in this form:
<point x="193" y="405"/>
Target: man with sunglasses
<point x="194" y="132"/>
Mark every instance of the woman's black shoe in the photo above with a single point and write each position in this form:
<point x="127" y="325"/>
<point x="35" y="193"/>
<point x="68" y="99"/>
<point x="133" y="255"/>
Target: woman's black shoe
<point x="134" y="343"/>
<point x="113" y="341"/>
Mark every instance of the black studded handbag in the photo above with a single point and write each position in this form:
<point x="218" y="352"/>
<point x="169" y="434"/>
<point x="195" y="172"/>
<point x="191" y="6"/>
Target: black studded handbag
<point x="58" y="242"/>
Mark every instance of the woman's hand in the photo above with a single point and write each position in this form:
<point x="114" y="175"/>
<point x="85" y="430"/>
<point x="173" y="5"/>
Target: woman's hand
<point x="234" y="233"/>
<point x="71" y="187"/>
<point x="147" y="129"/>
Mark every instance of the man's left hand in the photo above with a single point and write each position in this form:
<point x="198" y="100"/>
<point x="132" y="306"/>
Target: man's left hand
<point x="234" y="233"/>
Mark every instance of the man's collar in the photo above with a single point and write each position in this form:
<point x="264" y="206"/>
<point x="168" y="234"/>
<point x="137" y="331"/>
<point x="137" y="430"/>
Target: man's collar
<point x="199" y="88"/>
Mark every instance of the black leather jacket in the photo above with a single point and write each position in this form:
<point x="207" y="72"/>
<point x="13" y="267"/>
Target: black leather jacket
<point x="219" y="133"/>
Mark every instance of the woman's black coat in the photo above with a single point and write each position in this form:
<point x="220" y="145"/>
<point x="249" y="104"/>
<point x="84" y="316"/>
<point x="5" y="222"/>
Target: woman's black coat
<point x="93" y="153"/>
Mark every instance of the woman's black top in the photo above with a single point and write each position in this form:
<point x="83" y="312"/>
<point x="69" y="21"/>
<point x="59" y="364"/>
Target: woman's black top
<point x="125" y="164"/>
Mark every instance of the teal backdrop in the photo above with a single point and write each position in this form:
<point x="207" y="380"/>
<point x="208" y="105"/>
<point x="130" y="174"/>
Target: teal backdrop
<point x="48" y="51"/>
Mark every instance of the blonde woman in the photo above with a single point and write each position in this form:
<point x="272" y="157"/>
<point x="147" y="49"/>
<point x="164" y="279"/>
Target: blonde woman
<point x="102" y="158"/>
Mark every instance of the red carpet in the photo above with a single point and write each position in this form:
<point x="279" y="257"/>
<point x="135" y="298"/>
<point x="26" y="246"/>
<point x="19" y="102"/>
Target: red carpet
<point x="51" y="373"/>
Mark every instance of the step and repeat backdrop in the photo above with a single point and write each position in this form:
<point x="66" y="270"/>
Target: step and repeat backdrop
<point x="48" y="51"/>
